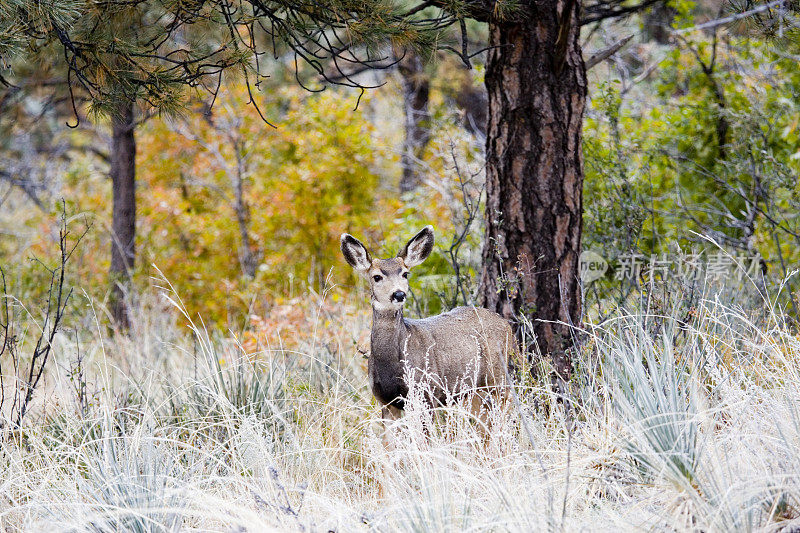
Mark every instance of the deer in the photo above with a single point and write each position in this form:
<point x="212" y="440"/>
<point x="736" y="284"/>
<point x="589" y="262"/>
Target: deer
<point x="462" y="353"/>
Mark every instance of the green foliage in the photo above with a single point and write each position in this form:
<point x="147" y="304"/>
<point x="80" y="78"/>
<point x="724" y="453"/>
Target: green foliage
<point x="616" y="198"/>
<point x="710" y="152"/>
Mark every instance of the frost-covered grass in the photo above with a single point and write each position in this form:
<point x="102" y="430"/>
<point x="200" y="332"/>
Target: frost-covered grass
<point x="676" y="425"/>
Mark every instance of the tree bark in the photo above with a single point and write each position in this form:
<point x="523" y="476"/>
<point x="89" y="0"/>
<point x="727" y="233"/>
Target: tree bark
<point x="416" y="92"/>
<point x="536" y="83"/>
<point x="123" y="223"/>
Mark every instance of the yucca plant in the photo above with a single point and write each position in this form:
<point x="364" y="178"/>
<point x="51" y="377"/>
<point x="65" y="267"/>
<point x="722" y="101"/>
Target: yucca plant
<point x="133" y="483"/>
<point x="652" y="393"/>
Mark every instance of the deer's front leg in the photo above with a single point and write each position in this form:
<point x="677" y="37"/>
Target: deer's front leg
<point x="389" y="414"/>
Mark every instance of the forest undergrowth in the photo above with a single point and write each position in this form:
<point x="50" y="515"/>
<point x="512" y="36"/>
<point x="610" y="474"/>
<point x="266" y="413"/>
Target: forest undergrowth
<point x="678" y="420"/>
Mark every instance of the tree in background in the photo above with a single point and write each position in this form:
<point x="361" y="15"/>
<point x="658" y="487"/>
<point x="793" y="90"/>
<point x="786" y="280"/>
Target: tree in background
<point x="89" y="50"/>
<point x="455" y="80"/>
<point x="144" y="53"/>
<point x="416" y="85"/>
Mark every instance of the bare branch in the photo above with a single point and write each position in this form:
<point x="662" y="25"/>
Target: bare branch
<point x="732" y="18"/>
<point x="604" y="54"/>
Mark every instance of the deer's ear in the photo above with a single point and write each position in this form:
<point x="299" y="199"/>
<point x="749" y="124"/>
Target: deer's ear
<point x="418" y="248"/>
<point x="355" y="253"/>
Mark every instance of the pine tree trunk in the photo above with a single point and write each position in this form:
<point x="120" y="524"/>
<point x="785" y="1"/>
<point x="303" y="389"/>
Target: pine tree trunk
<point x="123" y="223"/>
<point x="416" y="92"/>
<point x="536" y="86"/>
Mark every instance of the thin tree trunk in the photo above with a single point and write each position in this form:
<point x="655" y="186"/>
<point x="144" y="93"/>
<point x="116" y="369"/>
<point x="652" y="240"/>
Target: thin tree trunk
<point x="472" y="101"/>
<point x="657" y="22"/>
<point x="416" y="92"/>
<point x="536" y="82"/>
<point x="722" y="120"/>
<point x="123" y="223"/>
<point x="247" y="259"/>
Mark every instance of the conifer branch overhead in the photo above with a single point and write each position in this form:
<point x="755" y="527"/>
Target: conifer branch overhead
<point x="149" y="50"/>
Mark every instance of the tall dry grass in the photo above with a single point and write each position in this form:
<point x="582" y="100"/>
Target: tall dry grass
<point x="675" y="424"/>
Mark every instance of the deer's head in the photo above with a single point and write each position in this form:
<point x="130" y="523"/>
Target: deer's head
<point x="388" y="278"/>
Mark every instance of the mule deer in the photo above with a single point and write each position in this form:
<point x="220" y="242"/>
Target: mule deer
<point x="463" y="352"/>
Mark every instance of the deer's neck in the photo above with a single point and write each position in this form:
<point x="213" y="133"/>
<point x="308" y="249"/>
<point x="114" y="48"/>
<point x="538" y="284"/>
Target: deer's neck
<point x="386" y="362"/>
<point x="388" y="336"/>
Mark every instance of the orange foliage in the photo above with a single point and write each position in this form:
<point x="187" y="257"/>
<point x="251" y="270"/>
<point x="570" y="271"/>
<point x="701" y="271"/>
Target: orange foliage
<point x="325" y="169"/>
<point x="304" y="323"/>
<point x="302" y="184"/>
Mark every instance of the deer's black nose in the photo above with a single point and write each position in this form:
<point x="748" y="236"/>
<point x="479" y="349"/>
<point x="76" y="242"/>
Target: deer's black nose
<point x="398" y="296"/>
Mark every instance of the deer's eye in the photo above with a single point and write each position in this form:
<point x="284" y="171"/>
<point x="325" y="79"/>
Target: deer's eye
<point x="377" y="278"/>
<point x="405" y="275"/>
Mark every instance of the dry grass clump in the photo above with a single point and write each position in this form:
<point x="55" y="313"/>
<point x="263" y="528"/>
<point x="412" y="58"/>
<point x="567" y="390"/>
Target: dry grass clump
<point x="674" y="426"/>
